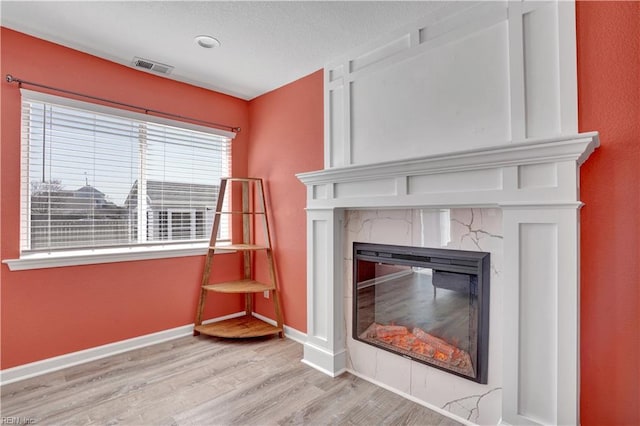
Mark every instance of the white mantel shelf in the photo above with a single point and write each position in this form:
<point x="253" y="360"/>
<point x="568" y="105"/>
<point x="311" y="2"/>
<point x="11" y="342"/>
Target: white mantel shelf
<point x="536" y="184"/>
<point x="535" y="164"/>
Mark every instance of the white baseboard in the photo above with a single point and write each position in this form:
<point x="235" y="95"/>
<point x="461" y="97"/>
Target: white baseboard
<point x="322" y="370"/>
<point x="413" y="398"/>
<point x="48" y="365"/>
<point x="291" y="333"/>
<point x="325" y="360"/>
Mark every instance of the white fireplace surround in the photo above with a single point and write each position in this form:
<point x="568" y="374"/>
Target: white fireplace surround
<point x="536" y="184"/>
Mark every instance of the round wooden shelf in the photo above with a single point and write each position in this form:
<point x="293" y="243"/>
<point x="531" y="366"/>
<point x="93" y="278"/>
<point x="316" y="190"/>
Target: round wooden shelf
<point x="240" y="286"/>
<point x="240" y="327"/>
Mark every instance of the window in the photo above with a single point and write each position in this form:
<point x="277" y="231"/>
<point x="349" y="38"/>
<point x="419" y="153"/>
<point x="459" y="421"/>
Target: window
<point x="95" y="176"/>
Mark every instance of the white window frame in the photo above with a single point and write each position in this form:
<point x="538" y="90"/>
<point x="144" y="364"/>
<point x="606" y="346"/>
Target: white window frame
<point x="72" y="257"/>
<point x="192" y="220"/>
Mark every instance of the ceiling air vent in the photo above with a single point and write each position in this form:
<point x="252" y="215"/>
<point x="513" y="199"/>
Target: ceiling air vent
<point x="152" y="65"/>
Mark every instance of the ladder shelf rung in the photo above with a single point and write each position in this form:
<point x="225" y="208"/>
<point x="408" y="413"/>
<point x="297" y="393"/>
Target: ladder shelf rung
<point x="245" y="247"/>
<point x="240" y="286"/>
<point x="240" y="179"/>
<point x="238" y="212"/>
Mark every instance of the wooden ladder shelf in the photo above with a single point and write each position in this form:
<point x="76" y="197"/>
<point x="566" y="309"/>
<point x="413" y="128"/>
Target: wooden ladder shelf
<point x="247" y="325"/>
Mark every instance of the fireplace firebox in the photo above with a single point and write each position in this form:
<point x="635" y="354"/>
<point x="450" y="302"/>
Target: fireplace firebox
<point x="429" y="305"/>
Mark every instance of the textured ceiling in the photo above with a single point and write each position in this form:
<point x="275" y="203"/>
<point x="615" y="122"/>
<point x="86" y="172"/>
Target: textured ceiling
<point x="265" y="44"/>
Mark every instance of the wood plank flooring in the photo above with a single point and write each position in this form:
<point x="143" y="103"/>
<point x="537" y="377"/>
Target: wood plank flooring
<point x="207" y="381"/>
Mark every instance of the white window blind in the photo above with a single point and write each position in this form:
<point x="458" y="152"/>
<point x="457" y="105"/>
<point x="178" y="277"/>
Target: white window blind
<point x="94" y="176"/>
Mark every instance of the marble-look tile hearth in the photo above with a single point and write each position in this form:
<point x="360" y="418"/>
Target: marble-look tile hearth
<point x="477" y="229"/>
<point x="468" y="407"/>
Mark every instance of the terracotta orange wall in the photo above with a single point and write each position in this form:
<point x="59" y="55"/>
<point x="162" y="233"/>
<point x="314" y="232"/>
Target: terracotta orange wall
<point x="49" y="312"/>
<point x="287" y="138"/>
<point x="84" y="306"/>
<point x="609" y="101"/>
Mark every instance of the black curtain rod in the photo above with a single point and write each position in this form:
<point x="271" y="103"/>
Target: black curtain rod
<point x="12" y="79"/>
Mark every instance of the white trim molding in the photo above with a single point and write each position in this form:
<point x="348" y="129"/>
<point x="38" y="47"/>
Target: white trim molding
<point x="106" y="255"/>
<point x="468" y="75"/>
<point x="536" y="171"/>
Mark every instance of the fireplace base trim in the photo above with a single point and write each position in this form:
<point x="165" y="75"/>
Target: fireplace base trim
<point x="328" y="362"/>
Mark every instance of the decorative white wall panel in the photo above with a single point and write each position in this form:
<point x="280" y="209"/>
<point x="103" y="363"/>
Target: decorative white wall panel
<point x="354" y="189"/>
<point x="538" y="175"/>
<point x="475" y="180"/>
<point x="471" y="75"/>
<point x="324" y="348"/>
<point x="537" y="319"/>
<point x="319" y="275"/>
<point x="541" y="329"/>
<point x="335" y="127"/>
<point x="540" y="41"/>
<point x="407" y="108"/>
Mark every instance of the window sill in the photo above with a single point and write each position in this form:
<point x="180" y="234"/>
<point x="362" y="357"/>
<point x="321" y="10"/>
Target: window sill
<point x="97" y="256"/>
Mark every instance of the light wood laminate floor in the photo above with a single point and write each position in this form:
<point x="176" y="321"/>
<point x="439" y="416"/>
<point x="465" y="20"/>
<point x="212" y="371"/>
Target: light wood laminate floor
<point x="208" y="381"/>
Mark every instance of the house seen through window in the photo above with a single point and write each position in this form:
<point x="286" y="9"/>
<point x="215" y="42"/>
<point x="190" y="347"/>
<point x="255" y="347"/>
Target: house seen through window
<point x="96" y="177"/>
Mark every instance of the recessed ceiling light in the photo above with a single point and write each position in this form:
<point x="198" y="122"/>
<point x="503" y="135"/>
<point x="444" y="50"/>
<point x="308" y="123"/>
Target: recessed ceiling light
<point x="207" y="42"/>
